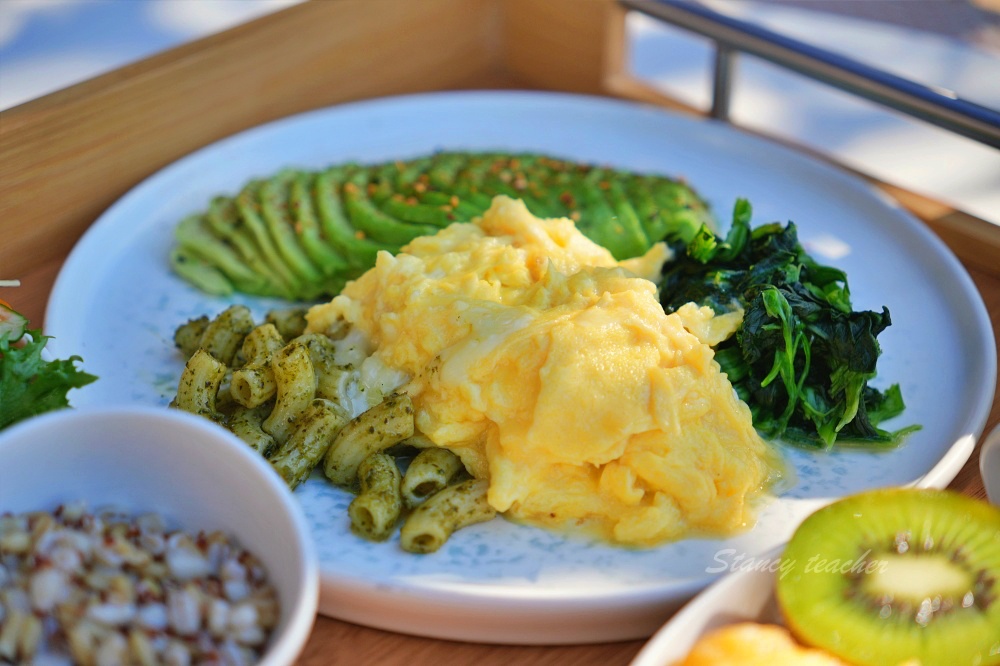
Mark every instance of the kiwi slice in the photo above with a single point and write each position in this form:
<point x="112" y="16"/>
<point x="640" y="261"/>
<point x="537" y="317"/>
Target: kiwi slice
<point x="887" y="576"/>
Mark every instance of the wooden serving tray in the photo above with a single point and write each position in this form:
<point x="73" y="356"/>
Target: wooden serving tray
<point x="66" y="157"/>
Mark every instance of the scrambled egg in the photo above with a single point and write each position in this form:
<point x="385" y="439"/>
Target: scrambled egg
<point x="551" y="369"/>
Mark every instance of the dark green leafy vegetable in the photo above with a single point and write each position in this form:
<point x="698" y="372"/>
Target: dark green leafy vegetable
<point x="802" y="357"/>
<point x="30" y="385"/>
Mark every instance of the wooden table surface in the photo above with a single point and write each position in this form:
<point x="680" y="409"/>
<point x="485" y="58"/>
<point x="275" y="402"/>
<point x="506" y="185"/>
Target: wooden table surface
<point x="336" y="642"/>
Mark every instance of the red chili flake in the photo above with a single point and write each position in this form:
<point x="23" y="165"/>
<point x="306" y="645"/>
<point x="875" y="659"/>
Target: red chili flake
<point x="604" y="185"/>
<point x="567" y="199"/>
<point x="419" y="187"/>
<point x="350" y="188"/>
<point x="372" y="188"/>
<point x="298" y="228"/>
<point x="453" y="201"/>
<point x="412" y="201"/>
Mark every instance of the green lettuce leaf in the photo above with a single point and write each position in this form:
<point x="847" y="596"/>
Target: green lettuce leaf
<point x="29" y="384"/>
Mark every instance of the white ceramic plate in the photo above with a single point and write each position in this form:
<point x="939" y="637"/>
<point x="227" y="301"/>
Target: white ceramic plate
<point x="117" y="304"/>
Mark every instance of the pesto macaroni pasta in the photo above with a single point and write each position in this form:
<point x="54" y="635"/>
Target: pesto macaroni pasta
<point x="311" y="436"/>
<point x="429" y="472"/>
<point x="382" y="426"/>
<point x="377" y="507"/>
<point x="199" y="386"/>
<point x="455" y="507"/>
<point x="295" y="387"/>
<point x="306" y="401"/>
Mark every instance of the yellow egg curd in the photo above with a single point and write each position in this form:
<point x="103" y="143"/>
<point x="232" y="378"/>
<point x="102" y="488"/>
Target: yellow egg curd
<point x="551" y="369"/>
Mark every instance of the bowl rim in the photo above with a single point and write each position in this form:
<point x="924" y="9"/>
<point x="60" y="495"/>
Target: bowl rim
<point x="285" y="647"/>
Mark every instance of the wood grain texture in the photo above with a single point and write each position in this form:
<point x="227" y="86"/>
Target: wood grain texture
<point x="567" y="45"/>
<point x="66" y="157"/>
<point x="336" y="642"/>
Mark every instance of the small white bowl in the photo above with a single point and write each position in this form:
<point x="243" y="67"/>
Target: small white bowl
<point x="195" y="473"/>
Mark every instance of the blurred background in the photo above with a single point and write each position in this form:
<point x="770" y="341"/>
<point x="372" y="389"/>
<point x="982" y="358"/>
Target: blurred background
<point x="46" y="45"/>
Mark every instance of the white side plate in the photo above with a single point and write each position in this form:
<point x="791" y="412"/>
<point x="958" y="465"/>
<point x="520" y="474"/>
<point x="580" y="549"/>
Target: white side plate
<point x="745" y="596"/>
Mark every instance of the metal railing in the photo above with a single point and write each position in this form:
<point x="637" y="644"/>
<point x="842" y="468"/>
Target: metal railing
<point x="937" y="106"/>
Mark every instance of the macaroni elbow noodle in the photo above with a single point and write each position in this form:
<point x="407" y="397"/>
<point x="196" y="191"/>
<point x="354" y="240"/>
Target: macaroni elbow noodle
<point x="382" y="426"/>
<point x="199" y="385"/>
<point x="260" y="343"/>
<point x="310" y="438"/>
<point x="455" y="507"/>
<point x="429" y="472"/>
<point x="246" y="422"/>
<point x="254" y="383"/>
<point x="295" y="381"/>
<point x="329" y="374"/>
<point x="377" y="507"/>
<point x="187" y="337"/>
<point x="224" y="335"/>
